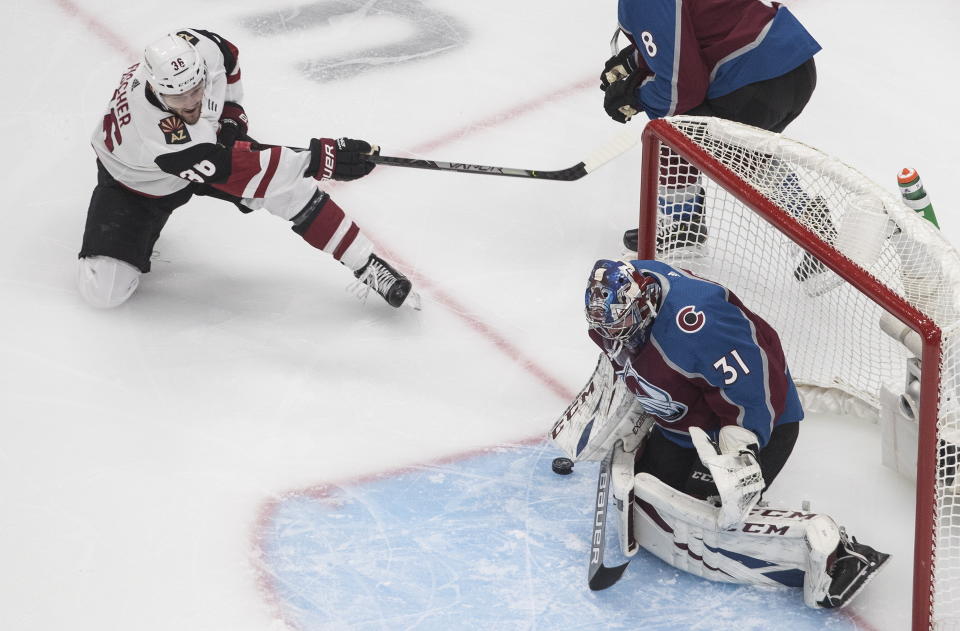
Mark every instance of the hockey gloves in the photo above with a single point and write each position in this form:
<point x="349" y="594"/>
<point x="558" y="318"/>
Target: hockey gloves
<point x="735" y="467"/>
<point x="340" y="159"/>
<point x="618" y="67"/>
<point x="233" y="124"/>
<point x="620" y="98"/>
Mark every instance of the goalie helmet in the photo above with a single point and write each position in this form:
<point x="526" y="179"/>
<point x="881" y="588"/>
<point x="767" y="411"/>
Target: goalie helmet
<point x="174" y="65"/>
<point x="620" y="301"/>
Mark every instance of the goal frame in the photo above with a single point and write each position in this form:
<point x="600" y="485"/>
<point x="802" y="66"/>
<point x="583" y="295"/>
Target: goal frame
<point x="659" y="133"/>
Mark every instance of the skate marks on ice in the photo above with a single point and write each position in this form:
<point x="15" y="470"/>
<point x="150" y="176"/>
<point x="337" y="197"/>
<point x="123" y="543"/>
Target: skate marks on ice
<point x="495" y="540"/>
<point x="427" y="33"/>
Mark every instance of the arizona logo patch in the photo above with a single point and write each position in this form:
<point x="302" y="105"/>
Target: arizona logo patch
<point x="174" y="130"/>
<point x="190" y="37"/>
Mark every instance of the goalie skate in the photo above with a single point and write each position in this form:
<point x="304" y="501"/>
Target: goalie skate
<point x="855" y="566"/>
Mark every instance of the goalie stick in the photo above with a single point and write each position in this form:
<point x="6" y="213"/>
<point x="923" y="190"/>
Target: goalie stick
<point x="614" y="147"/>
<point x="600" y="576"/>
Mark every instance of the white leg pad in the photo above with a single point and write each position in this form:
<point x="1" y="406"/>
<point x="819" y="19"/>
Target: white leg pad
<point x="622" y="471"/>
<point x="105" y="282"/>
<point x="823" y="537"/>
<point x="774" y="547"/>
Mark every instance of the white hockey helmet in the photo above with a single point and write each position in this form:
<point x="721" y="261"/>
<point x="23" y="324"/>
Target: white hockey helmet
<point x="174" y="65"/>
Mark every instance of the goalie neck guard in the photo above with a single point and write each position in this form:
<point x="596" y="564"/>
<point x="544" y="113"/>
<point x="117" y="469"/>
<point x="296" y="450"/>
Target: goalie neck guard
<point x="620" y="301"/>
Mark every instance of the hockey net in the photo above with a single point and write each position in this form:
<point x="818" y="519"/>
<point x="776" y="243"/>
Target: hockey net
<point x="822" y="253"/>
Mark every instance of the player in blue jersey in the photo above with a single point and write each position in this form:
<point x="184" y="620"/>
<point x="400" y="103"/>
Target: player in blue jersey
<point x="742" y="60"/>
<point x="687" y="354"/>
<point x="694" y="356"/>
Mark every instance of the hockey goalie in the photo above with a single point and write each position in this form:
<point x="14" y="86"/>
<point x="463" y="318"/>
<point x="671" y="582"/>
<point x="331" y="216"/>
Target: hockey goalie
<point x="693" y="411"/>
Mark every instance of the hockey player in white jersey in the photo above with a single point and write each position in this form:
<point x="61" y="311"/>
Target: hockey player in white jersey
<point x="693" y="407"/>
<point x="175" y="127"/>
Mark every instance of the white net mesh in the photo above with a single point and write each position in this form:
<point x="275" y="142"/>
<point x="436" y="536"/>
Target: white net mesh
<point x="829" y="329"/>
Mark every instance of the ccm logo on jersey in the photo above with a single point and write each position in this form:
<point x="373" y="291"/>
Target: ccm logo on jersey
<point x="690" y="320"/>
<point x="174" y="130"/>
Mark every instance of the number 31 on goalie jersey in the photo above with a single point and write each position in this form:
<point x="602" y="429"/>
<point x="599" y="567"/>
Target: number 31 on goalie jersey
<point x="730" y="374"/>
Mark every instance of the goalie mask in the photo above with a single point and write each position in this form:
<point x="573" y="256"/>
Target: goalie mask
<point x="620" y="301"/>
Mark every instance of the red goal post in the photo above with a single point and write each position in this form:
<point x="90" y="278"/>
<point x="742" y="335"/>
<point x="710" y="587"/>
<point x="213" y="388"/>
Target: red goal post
<point x="769" y="205"/>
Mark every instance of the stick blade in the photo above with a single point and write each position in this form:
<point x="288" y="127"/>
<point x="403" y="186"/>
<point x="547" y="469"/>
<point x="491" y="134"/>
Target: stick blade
<point x="605" y="576"/>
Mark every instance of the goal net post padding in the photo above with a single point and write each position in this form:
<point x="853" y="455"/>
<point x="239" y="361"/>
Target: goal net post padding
<point x="821" y="252"/>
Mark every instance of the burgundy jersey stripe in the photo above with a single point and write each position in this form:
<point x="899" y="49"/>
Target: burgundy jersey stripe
<point x="271" y="170"/>
<point x="346" y="241"/>
<point x="245" y="164"/>
<point x="325" y="225"/>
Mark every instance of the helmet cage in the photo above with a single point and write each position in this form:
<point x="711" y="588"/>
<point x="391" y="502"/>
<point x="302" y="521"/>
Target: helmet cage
<point x="620" y="301"/>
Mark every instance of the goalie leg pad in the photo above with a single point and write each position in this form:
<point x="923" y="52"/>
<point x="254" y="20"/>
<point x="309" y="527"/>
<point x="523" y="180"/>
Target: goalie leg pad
<point x="768" y="548"/>
<point x="623" y="468"/>
<point x="771" y="547"/>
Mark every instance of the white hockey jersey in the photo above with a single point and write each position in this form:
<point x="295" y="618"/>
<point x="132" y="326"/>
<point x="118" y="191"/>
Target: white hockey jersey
<point x="136" y="128"/>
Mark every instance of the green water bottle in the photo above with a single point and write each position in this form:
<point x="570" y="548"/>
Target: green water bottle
<point x="914" y="195"/>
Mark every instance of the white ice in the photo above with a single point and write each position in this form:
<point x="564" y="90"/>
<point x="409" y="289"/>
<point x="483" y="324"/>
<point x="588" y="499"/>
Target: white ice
<point x="139" y="447"/>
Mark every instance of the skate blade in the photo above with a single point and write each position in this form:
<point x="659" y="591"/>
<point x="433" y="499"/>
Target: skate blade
<point x="413" y="301"/>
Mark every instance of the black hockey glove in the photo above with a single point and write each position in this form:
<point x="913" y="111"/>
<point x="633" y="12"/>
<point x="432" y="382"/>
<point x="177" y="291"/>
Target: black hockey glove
<point x="233" y="124"/>
<point x="619" y="66"/>
<point x="620" y="99"/>
<point x="340" y="159"/>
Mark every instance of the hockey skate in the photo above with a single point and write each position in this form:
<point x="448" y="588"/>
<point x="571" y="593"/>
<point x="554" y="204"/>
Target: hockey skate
<point x="855" y="565"/>
<point x="681" y="223"/>
<point x="677" y="235"/>
<point x="815" y="216"/>
<point x="379" y="276"/>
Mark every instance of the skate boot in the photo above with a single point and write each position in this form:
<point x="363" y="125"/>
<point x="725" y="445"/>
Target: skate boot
<point x="676" y="235"/>
<point x="682" y="224"/>
<point x="809" y="266"/>
<point x="854" y="566"/>
<point x="379" y="276"/>
<point x="816" y="216"/>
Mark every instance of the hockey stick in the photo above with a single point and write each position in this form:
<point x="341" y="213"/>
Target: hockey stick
<point x="613" y="148"/>
<point x="600" y="576"/>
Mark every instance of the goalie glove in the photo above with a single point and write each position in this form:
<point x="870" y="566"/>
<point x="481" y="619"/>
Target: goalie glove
<point x="735" y="467"/>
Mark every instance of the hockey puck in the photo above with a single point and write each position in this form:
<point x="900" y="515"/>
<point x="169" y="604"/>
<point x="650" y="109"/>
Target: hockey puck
<point x="562" y="466"/>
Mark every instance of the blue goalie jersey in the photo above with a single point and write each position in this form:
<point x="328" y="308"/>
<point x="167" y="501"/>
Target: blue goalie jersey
<point x="706" y="362"/>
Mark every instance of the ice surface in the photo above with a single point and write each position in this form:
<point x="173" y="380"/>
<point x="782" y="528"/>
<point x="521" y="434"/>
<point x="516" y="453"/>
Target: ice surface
<point x="245" y="446"/>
